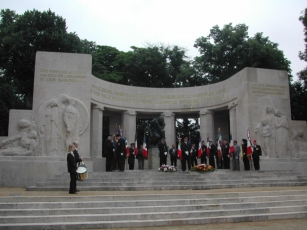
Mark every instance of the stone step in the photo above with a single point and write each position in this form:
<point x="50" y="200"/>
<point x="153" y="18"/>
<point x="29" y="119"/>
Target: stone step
<point x="142" y="209"/>
<point x="163" y="183"/>
<point x="117" y="211"/>
<point x="134" y="187"/>
<point x="150" y="223"/>
<point x="182" y="200"/>
<point x="175" y="196"/>
<point x="147" y="215"/>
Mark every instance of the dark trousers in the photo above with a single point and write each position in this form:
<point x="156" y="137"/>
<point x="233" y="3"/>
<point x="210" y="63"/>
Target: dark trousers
<point x="246" y="163"/>
<point x="163" y="160"/>
<point x="131" y="166"/>
<point x="121" y="163"/>
<point x="220" y="163"/>
<point x="226" y="161"/>
<point x="193" y="161"/>
<point x="212" y="161"/>
<point x="174" y="161"/>
<point x="186" y="160"/>
<point x="73" y="182"/>
<point x="203" y="159"/>
<point x="256" y="163"/>
<point x="109" y="163"/>
<point x="141" y="164"/>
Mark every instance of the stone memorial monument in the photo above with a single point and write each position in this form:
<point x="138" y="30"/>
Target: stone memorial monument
<point x="69" y="104"/>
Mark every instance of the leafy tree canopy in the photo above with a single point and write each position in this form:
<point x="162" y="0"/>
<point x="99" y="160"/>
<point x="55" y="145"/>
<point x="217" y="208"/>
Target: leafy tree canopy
<point x="226" y="51"/>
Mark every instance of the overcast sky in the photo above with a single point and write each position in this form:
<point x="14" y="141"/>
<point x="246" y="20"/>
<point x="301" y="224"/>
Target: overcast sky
<point x="126" y="23"/>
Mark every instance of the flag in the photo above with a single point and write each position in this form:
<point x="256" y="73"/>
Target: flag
<point x="249" y="147"/>
<point x="127" y="146"/>
<point x="145" y="152"/>
<point x="136" y="150"/>
<point x="208" y="147"/>
<point x="179" y="152"/>
<point x="231" y="147"/>
<point x="219" y="138"/>
<point x="199" y="149"/>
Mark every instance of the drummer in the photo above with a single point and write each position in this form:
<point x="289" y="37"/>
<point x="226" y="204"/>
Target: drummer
<point x="72" y="167"/>
<point x="78" y="159"/>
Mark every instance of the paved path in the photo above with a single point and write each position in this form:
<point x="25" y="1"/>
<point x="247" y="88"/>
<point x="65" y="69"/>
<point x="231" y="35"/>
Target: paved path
<point x="293" y="224"/>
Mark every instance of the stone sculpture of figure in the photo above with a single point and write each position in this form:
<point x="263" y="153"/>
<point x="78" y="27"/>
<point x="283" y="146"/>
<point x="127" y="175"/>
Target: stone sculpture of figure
<point x="157" y="126"/>
<point x="71" y="118"/>
<point x="282" y="135"/>
<point x="26" y="145"/>
<point x="296" y="143"/>
<point x="266" y="136"/>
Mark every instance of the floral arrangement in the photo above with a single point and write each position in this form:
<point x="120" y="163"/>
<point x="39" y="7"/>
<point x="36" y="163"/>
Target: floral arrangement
<point x="203" y="168"/>
<point x="167" y="168"/>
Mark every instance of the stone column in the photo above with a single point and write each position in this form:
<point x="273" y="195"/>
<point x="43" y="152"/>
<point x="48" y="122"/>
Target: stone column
<point x="129" y="125"/>
<point x="170" y="135"/>
<point x="96" y="131"/>
<point x="233" y="120"/>
<point x="129" y="128"/>
<point x="206" y="124"/>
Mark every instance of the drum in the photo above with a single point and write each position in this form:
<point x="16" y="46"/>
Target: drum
<point x="82" y="172"/>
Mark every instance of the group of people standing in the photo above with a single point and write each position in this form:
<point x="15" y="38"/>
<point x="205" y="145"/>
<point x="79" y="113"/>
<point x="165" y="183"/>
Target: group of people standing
<point x="218" y="158"/>
<point x="116" y="153"/>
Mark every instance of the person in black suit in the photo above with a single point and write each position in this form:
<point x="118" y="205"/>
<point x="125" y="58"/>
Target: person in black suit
<point x="186" y="157"/>
<point x="256" y="154"/>
<point x="212" y="154"/>
<point x="203" y="157"/>
<point x="173" y="155"/>
<point x="193" y="154"/>
<point x="108" y="152"/>
<point x="120" y="152"/>
<point x="72" y="167"/>
<point x="225" y="152"/>
<point x="131" y="157"/>
<point x="245" y="157"/>
<point x="162" y="152"/>
<point x="78" y="159"/>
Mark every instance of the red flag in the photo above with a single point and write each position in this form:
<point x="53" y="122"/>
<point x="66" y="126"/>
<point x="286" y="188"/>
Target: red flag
<point x="179" y="152"/>
<point x="249" y="147"/>
<point x="136" y="150"/>
<point x="145" y="152"/>
<point x="199" y="149"/>
<point x="219" y="149"/>
<point x="231" y="147"/>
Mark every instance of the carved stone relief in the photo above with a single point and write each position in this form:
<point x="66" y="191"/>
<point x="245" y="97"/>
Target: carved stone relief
<point x="60" y="121"/>
<point x="22" y="144"/>
<point x="278" y="138"/>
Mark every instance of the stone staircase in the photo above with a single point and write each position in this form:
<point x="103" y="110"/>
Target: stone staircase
<point x="116" y="211"/>
<point x="153" y="180"/>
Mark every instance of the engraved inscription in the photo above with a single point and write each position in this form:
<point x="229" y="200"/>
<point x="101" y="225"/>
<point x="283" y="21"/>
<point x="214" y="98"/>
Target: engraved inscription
<point x="68" y="76"/>
<point x="158" y="99"/>
<point x="268" y="89"/>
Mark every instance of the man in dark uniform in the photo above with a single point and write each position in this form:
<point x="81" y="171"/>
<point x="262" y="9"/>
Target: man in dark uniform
<point x="256" y="154"/>
<point x="131" y="157"/>
<point x="109" y="154"/>
<point x="72" y="167"/>
<point x="162" y="152"/>
<point x="245" y="158"/>
<point x="193" y="153"/>
<point x="225" y="152"/>
<point x="173" y="154"/>
<point x="203" y="157"/>
<point x="186" y="158"/>
<point x="212" y="154"/>
<point x="120" y="152"/>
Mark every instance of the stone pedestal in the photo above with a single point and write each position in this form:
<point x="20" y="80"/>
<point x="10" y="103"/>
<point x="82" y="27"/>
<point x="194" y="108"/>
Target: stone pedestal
<point x="153" y="159"/>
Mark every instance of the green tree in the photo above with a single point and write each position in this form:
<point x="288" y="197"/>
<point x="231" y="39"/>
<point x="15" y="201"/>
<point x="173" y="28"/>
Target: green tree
<point x="298" y="89"/>
<point x="226" y="51"/>
<point x="21" y="36"/>
<point x="188" y="127"/>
